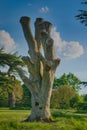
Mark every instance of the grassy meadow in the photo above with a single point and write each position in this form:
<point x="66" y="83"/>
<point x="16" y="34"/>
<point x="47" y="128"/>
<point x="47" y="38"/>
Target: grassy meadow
<point x="62" y="120"/>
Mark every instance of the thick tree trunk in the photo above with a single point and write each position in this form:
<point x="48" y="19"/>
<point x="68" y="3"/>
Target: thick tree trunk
<point x="40" y="109"/>
<point x="40" y="100"/>
<point x="41" y="68"/>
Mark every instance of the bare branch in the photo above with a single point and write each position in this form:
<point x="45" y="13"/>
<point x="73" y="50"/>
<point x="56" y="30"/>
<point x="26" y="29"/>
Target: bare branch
<point x="27" y="60"/>
<point x="25" y="22"/>
<point x="25" y="79"/>
<point x="40" y="26"/>
<point x="56" y="62"/>
<point x="21" y="74"/>
<point x="50" y="52"/>
<point x="30" y="65"/>
<point x="48" y="46"/>
<point x="37" y="33"/>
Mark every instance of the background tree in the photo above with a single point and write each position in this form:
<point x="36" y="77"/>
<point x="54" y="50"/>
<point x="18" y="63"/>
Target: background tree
<point x="41" y="67"/>
<point x="75" y="100"/>
<point x="83" y="83"/>
<point x="26" y="99"/>
<point x="68" y="80"/>
<point x="11" y="60"/>
<point x="84" y="97"/>
<point x="61" y="97"/>
<point x="7" y="79"/>
<point x="10" y="90"/>
<point x="83" y="15"/>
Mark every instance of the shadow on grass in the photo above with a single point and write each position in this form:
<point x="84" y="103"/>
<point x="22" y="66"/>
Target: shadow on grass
<point x="81" y="112"/>
<point x="68" y="115"/>
<point x="19" y="108"/>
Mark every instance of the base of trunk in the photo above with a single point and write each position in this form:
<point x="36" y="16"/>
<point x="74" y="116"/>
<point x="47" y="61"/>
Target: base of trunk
<point x="38" y="119"/>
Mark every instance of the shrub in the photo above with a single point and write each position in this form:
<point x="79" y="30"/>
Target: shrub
<point x="82" y="106"/>
<point x="75" y="100"/>
<point x="61" y="97"/>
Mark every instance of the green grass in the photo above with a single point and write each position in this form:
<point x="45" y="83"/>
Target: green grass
<point x="62" y="120"/>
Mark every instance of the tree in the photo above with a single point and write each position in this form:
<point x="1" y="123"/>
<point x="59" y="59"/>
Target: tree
<point x="83" y="83"/>
<point x="41" y="67"/>
<point x="3" y="92"/>
<point x="26" y="100"/>
<point x="84" y="97"/>
<point x="11" y="60"/>
<point x="61" y="97"/>
<point x="61" y="81"/>
<point x="8" y="80"/>
<point x="75" y="100"/>
<point x="83" y="15"/>
<point x="8" y="86"/>
<point x="68" y="79"/>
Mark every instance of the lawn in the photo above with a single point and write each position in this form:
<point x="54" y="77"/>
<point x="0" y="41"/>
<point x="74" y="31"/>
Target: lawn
<point x="62" y="120"/>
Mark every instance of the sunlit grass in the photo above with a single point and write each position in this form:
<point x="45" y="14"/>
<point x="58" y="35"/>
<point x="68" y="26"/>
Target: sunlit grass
<point x="62" y="120"/>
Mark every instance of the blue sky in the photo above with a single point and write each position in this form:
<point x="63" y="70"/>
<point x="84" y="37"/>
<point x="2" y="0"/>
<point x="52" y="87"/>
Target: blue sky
<point x="70" y="36"/>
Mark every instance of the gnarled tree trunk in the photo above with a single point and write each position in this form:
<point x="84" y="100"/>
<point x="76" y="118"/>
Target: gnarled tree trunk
<point x="41" y="67"/>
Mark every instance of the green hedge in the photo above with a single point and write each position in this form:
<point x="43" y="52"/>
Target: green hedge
<point x="82" y="106"/>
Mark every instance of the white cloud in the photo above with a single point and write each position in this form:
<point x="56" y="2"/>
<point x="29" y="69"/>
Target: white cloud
<point x="64" y="49"/>
<point x="6" y="41"/>
<point x="44" y="9"/>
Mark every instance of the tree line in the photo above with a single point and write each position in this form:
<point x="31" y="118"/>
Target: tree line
<point x="15" y="94"/>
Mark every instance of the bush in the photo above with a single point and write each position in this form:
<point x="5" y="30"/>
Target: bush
<point x="61" y="97"/>
<point x="82" y="106"/>
<point x="4" y="100"/>
<point x="75" y="100"/>
<point x="85" y="98"/>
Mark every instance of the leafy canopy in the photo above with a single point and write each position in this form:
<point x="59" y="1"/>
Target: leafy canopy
<point x="67" y="79"/>
<point x="11" y="60"/>
<point x="7" y="79"/>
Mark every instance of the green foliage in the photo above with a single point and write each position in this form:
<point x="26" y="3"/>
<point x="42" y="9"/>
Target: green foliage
<point x="69" y="80"/>
<point x="61" y="81"/>
<point x="4" y="95"/>
<point x="82" y="106"/>
<point x="8" y="81"/>
<point x="83" y="83"/>
<point x="12" y="60"/>
<point x="8" y="85"/>
<point x="4" y="99"/>
<point x="61" y="97"/>
<point x="75" y="100"/>
<point x="85" y="98"/>
<point x="26" y="100"/>
<point x="22" y="95"/>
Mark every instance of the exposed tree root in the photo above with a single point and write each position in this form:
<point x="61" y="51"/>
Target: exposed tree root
<point x="38" y="119"/>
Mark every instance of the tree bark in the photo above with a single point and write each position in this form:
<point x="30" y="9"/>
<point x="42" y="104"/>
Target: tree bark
<point x="41" y="67"/>
<point x="11" y="99"/>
